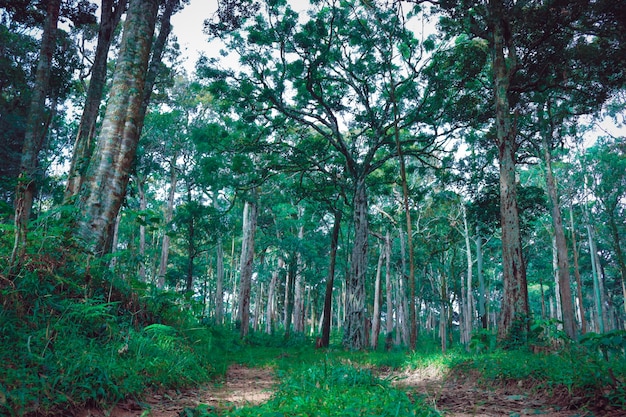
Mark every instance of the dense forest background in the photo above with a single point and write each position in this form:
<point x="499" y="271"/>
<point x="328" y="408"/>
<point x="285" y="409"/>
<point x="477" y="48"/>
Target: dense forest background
<point x="382" y="171"/>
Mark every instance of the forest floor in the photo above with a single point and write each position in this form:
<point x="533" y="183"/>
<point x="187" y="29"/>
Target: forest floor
<point x="453" y="396"/>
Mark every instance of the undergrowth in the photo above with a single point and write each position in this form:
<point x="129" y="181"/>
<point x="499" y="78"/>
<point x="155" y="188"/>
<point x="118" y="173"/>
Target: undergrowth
<point x="328" y="387"/>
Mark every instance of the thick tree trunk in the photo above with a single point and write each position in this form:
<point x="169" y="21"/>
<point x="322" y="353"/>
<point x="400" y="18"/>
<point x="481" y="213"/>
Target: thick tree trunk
<point x="330" y="280"/>
<point x="115" y="152"/>
<point x="515" y="299"/>
<point x="35" y="132"/>
<point x="250" y="214"/>
<point x="565" y="290"/>
<point x="110" y="15"/>
<point x="354" y="328"/>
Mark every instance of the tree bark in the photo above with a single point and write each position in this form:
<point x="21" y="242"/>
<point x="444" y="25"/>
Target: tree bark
<point x="109" y="169"/>
<point x="219" y="277"/>
<point x="481" y="280"/>
<point x="354" y="328"/>
<point x="579" y="284"/>
<point x="110" y="15"/>
<point x="169" y="213"/>
<point x="250" y="214"/>
<point x="467" y="313"/>
<point x="515" y="298"/>
<point x="390" y="310"/>
<point x="593" y="252"/>
<point x="35" y="131"/>
<point x="377" y="293"/>
<point x="330" y="280"/>
<point x="143" y="204"/>
<point x="563" y="277"/>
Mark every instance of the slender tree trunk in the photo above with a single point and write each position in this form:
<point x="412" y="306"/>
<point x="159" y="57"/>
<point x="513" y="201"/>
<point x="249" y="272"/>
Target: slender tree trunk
<point x="330" y="280"/>
<point x="110" y="15"/>
<point x="617" y="246"/>
<point x="377" y="291"/>
<point x="250" y="214"/>
<point x="354" y="329"/>
<point x="35" y="132"/>
<point x="191" y="245"/>
<point x="563" y="277"/>
<point x="557" y="284"/>
<point x="596" y="281"/>
<point x="481" y="280"/>
<point x="169" y="213"/>
<point x="143" y="204"/>
<point x="390" y="310"/>
<point x="115" y="152"/>
<point x="579" y="284"/>
<point x="468" y="313"/>
<point x="219" y="284"/>
<point x="289" y="290"/>
<point x="271" y="297"/>
<point x="298" y="313"/>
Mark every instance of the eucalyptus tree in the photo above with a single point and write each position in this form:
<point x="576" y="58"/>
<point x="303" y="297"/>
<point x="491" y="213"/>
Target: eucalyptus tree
<point x="526" y="42"/>
<point x="331" y="73"/>
<point x="36" y="120"/>
<point x="109" y="168"/>
<point x="110" y="16"/>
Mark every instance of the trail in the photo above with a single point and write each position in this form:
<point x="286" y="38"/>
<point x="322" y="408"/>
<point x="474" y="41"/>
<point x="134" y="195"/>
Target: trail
<point x="241" y="386"/>
<point x="458" y="395"/>
<point x="462" y="395"/>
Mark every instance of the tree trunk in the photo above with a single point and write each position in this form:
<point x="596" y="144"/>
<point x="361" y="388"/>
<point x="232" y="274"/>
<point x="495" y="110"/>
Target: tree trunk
<point x="250" y="213"/>
<point x="298" y="313"/>
<point x="289" y="290"/>
<point x="169" y="213"/>
<point x="468" y="311"/>
<point x="143" y="204"/>
<point x="115" y="152"/>
<point x="110" y="15"/>
<point x="354" y="329"/>
<point x="219" y="284"/>
<point x="563" y="277"/>
<point x="515" y="298"/>
<point x="376" y="314"/>
<point x="579" y="284"/>
<point x="481" y="280"/>
<point x="330" y="280"/>
<point x="617" y="247"/>
<point x="35" y="132"/>
<point x="593" y="252"/>
<point x="270" y="312"/>
<point x="389" y="319"/>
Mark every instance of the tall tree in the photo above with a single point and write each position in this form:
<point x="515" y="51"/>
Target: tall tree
<point x="109" y="168"/>
<point x="35" y="131"/>
<point x="110" y="15"/>
<point x="335" y="64"/>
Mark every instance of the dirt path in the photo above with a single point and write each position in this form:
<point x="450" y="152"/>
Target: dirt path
<point x="463" y="396"/>
<point x="453" y="396"/>
<point x="241" y="386"/>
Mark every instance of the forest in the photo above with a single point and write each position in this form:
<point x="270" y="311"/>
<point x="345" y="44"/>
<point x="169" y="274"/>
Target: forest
<point x="362" y="206"/>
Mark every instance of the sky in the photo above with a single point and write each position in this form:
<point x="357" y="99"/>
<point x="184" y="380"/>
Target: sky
<point x="189" y="22"/>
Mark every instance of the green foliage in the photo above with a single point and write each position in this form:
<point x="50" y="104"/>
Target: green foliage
<point x="331" y="387"/>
